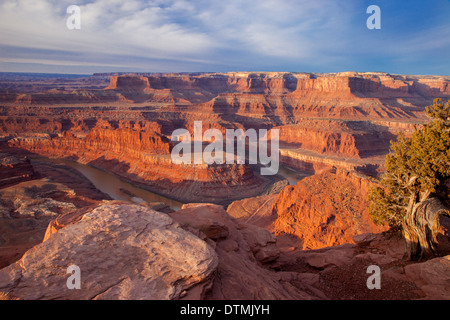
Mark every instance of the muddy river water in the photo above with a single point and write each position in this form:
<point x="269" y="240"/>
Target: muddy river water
<point x="119" y="189"/>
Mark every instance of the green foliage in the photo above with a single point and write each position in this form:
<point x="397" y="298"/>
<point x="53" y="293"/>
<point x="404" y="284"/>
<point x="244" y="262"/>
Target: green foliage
<point x="416" y="168"/>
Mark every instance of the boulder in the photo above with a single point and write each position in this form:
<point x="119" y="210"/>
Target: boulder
<point x="262" y="243"/>
<point x="431" y="277"/>
<point x="333" y="256"/>
<point x="124" y="251"/>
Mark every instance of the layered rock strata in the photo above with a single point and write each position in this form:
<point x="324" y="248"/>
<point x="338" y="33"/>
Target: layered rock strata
<point x="324" y="210"/>
<point x="350" y="139"/>
<point x="142" y="155"/>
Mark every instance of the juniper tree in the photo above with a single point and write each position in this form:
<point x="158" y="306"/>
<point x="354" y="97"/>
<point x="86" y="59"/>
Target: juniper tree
<point x="414" y="190"/>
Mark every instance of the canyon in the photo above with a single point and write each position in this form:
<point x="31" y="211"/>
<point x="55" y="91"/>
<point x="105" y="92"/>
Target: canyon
<point x="300" y="234"/>
<point x="142" y="155"/>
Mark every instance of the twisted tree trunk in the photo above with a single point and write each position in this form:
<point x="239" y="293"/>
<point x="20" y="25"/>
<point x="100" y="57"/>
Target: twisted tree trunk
<point x="420" y="227"/>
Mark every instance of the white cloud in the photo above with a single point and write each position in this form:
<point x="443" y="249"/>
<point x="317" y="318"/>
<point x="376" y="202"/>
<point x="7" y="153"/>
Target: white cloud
<point x="117" y="27"/>
<point x="285" y="29"/>
<point x="212" y="32"/>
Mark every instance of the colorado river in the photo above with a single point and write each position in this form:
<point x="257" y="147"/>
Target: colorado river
<point x="293" y="176"/>
<point x="113" y="186"/>
<point x="119" y="189"/>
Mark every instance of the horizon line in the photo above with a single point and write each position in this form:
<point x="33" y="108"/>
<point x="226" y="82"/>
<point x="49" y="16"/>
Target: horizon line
<point x="212" y="72"/>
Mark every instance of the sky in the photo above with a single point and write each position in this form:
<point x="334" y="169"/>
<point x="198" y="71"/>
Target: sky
<point x="225" y="35"/>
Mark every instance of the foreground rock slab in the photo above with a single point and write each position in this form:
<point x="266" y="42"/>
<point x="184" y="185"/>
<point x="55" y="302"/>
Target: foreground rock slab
<point x="124" y="251"/>
<point x="243" y="251"/>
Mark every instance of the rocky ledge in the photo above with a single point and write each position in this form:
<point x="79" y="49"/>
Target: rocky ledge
<point x="123" y="251"/>
<point x="129" y="251"/>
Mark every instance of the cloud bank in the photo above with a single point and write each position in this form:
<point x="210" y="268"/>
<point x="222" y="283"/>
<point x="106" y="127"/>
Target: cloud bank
<point x="263" y="35"/>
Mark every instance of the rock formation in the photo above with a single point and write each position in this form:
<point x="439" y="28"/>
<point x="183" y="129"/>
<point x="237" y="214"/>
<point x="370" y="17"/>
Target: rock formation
<point x="255" y="211"/>
<point x="167" y="262"/>
<point x="350" y="139"/>
<point x="128" y="251"/>
<point x="341" y="271"/>
<point x="14" y="170"/>
<point x="324" y="210"/>
<point x="140" y="153"/>
<point x="370" y="108"/>
<point x="123" y="251"/>
<point x="286" y="95"/>
<point x="27" y="206"/>
<point x="313" y="240"/>
<point x="240" y="249"/>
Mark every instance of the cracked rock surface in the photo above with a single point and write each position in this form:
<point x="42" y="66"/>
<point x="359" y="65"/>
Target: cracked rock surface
<point x="124" y="251"/>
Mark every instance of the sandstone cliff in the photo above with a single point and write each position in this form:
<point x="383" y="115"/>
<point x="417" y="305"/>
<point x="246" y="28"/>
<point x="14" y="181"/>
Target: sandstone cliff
<point x="324" y="210"/>
<point x="344" y="96"/>
<point x="375" y="106"/>
<point x="350" y="139"/>
<point x="142" y="155"/>
<point x="285" y="95"/>
<point x="351" y="85"/>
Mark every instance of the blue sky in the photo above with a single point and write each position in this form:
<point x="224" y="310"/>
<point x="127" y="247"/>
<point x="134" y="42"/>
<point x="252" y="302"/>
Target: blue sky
<point x="225" y="35"/>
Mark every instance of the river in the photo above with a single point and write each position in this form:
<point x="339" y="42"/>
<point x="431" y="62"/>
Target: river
<point x="293" y="176"/>
<point x="115" y="187"/>
<point x="119" y="189"/>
